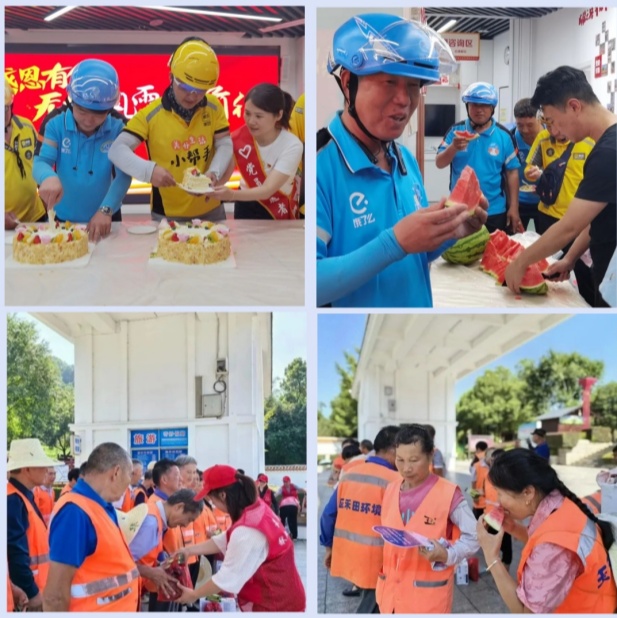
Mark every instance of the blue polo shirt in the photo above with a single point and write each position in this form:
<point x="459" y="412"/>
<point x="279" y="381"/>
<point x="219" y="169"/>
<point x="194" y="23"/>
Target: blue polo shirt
<point x="72" y="537"/>
<point x="528" y="200"/>
<point x="88" y="178"/>
<point x="489" y="156"/>
<point x="359" y="261"/>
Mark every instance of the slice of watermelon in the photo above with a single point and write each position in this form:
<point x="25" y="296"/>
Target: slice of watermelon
<point x="468" y="135"/>
<point x="466" y="191"/>
<point x="494" y="519"/>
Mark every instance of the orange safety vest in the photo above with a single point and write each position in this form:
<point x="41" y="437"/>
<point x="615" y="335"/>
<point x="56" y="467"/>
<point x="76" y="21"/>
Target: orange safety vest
<point x="490" y="493"/>
<point x="357" y="551"/>
<point x="66" y="489"/>
<point x="10" y="604"/>
<point x="172" y="539"/>
<point x="38" y="540"/>
<point x="151" y="558"/>
<point x="594" y="502"/>
<point x="108" y="579"/>
<point x="593" y="592"/>
<point x="407" y="583"/>
<point x="188" y="538"/>
<point x="127" y="503"/>
<point x="481" y="474"/>
<point x="45" y="501"/>
<point x="135" y="492"/>
<point x="351" y="464"/>
<point x="222" y="519"/>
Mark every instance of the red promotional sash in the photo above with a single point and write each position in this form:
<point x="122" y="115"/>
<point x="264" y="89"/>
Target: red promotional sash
<point x="279" y="205"/>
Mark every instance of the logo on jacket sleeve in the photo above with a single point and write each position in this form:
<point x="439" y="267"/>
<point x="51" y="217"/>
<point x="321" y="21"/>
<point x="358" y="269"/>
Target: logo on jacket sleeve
<point x="359" y="205"/>
<point x="66" y="145"/>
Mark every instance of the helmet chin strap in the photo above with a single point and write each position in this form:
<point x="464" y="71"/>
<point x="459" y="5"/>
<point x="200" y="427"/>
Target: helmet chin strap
<point x="353" y="112"/>
<point x="475" y="125"/>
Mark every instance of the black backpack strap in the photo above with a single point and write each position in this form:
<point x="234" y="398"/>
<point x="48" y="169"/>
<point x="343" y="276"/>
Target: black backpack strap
<point x="323" y="137"/>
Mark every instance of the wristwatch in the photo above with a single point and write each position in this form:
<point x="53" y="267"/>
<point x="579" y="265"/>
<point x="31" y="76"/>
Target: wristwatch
<point x="106" y="210"/>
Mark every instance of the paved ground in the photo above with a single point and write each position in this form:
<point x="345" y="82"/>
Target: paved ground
<point x="476" y="598"/>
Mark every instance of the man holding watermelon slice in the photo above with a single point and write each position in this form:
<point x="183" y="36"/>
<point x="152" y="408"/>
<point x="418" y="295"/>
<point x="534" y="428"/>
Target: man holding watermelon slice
<point x="375" y="234"/>
<point x="490" y="150"/>
<point x="568" y="101"/>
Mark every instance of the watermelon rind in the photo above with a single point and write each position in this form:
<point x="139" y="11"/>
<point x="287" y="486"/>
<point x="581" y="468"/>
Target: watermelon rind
<point x="469" y="249"/>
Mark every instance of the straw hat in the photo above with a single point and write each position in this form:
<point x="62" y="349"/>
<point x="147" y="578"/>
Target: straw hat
<point x="205" y="572"/>
<point x="28" y="453"/>
<point x="151" y="465"/>
<point x="131" y="522"/>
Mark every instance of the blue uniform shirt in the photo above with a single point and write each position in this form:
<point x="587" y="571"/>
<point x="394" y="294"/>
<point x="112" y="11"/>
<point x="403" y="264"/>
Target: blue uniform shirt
<point x="72" y="537"/>
<point x="489" y="156"/>
<point x="528" y="200"/>
<point x="543" y="450"/>
<point x="327" y="522"/>
<point x="70" y="155"/>
<point x="359" y="261"/>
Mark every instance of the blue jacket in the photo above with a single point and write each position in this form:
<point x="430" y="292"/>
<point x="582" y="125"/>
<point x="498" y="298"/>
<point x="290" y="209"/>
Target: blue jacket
<point x="528" y="200"/>
<point x="490" y="156"/>
<point x="359" y="260"/>
<point x="88" y="178"/>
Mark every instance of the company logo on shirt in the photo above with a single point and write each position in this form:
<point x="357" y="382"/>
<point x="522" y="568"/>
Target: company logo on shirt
<point x="105" y="146"/>
<point x="493" y="150"/>
<point x="358" y="204"/>
<point x="25" y="143"/>
<point x="66" y="145"/>
<point x="417" y="196"/>
<point x="579" y="156"/>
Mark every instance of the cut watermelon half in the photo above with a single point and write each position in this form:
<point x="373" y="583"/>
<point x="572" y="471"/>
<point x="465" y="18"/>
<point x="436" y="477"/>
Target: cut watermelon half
<point x="494" y="519"/>
<point x="466" y="191"/>
<point x="468" y="135"/>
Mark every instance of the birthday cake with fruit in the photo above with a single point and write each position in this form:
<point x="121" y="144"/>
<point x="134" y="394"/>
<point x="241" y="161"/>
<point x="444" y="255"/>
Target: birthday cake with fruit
<point x="45" y="244"/>
<point x="194" y="180"/>
<point x="193" y="242"/>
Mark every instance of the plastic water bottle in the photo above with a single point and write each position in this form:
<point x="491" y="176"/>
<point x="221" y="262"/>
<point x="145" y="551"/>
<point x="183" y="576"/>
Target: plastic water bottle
<point x="462" y="573"/>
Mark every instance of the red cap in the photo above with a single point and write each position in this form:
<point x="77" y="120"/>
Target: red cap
<point x="262" y="477"/>
<point x="286" y="479"/>
<point x="216" y="477"/>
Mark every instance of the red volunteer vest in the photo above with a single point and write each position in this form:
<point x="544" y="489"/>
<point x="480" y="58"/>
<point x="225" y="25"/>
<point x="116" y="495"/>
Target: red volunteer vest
<point x="279" y="205"/>
<point x="407" y="583"/>
<point x="37" y="537"/>
<point x="276" y="585"/>
<point x="593" y="592"/>
<point x="108" y="580"/>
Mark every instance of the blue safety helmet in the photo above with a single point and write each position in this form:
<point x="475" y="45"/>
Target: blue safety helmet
<point x="482" y="93"/>
<point x="94" y="85"/>
<point x="382" y="43"/>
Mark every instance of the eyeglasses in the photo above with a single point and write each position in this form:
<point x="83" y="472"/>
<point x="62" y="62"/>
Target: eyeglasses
<point x="188" y="89"/>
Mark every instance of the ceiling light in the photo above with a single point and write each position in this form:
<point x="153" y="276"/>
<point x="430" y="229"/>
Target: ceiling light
<point x="175" y="9"/>
<point x="62" y="11"/>
<point x="447" y="26"/>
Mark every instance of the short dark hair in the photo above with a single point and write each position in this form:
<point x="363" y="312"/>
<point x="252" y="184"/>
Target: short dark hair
<point x="481" y="445"/>
<point x="161" y="468"/>
<point x="137" y="462"/>
<point x="186" y="497"/>
<point x="272" y="99"/>
<point x="367" y="444"/>
<point x="525" y="109"/>
<point x="238" y="495"/>
<point x="148" y="475"/>
<point x="384" y="440"/>
<point x="73" y="474"/>
<point x="350" y="451"/>
<point x="556" y="87"/>
<point x="347" y="441"/>
<point x="415" y="434"/>
<point x="431" y="431"/>
<point x="105" y="457"/>
<point x="539" y="432"/>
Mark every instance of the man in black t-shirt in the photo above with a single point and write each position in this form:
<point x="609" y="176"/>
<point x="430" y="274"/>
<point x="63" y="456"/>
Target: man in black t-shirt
<point x="569" y="102"/>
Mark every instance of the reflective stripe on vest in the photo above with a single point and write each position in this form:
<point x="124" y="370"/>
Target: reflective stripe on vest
<point x="586" y="542"/>
<point x="81" y="591"/>
<point x="420" y="584"/>
<point x="36" y="560"/>
<point x="356" y="537"/>
<point x="594" y="502"/>
<point x="368" y="479"/>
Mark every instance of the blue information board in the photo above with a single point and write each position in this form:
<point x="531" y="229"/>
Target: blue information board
<point x="172" y="453"/>
<point x="177" y="437"/>
<point x="145" y="455"/>
<point x="145" y="438"/>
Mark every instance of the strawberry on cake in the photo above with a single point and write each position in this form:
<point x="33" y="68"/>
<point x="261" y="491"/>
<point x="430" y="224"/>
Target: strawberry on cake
<point x="42" y="244"/>
<point x="193" y="242"/>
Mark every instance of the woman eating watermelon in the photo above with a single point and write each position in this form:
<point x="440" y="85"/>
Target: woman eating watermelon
<point x="564" y="565"/>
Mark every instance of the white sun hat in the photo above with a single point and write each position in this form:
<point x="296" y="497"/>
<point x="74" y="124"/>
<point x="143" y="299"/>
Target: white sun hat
<point x="131" y="522"/>
<point x="28" y="453"/>
<point x="205" y="572"/>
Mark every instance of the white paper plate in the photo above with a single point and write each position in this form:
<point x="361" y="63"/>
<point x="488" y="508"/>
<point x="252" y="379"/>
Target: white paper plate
<point x="192" y="192"/>
<point x="142" y="229"/>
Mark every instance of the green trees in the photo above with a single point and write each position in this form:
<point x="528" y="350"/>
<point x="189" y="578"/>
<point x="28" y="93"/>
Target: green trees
<point x="39" y="404"/>
<point x="344" y="416"/>
<point x="285" y="418"/>
<point x="604" y="405"/>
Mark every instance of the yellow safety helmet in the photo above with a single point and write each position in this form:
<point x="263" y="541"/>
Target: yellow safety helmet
<point x="8" y="92"/>
<point x="195" y="64"/>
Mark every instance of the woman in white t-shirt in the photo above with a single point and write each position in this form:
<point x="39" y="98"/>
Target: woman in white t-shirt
<point x="267" y="155"/>
<point x="259" y="565"/>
